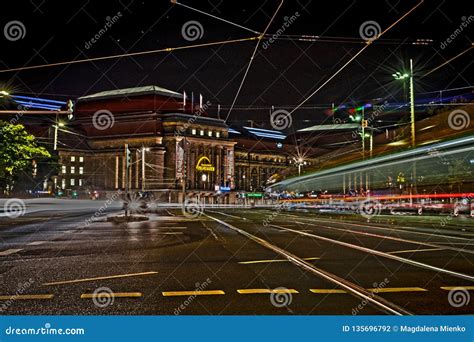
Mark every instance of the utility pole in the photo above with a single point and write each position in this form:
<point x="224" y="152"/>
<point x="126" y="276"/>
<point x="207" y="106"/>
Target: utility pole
<point x="143" y="168"/>
<point x="412" y="106"/>
<point x="127" y="168"/>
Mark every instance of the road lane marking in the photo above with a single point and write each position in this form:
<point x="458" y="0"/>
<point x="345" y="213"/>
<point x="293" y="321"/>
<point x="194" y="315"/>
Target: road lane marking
<point x="376" y="290"/>
<point x="110" y="295"/>
<point x="233" y="216"/>
<point x="192" y="293"/>
<point x="272" y="260"/>
<point x="449" y="288"/>
<point x="10" y="251"/>
<point x="31" y="296"/>
<point x="327" y="291"/>
<point x="416" y="250"/>
<point x="354" y="289"/>
<point x="100" y="278"/>
<point x="397" y="289"/>
<point x="36" y="243"/>
<point x="260" y="291"/>
<point x="382" y="254"/>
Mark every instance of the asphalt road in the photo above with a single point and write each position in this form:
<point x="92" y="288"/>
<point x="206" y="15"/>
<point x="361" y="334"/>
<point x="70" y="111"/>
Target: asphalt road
<point x="236" y="261"/>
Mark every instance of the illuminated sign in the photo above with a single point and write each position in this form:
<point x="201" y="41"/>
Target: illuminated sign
<point x="254" y="194"/>
<point x="204" y="164"/>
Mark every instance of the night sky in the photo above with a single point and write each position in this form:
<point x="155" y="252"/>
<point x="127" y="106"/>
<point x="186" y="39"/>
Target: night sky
<point x="282" y="75"/>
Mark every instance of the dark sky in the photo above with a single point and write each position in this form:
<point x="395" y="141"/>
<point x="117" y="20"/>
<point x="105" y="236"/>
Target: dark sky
<point x="284" y="74"/>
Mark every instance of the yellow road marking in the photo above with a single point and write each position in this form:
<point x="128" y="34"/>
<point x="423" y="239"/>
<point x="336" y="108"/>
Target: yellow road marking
<point x="192" y="293"/>
<point x="100" y="278"/>
<point x="398" y="289"/>
<point x="37" y="296"/>
<point x="415" y="250"/>
<point x="259" y="291"/>
<point x="328" y="291"/>
<point x="108" y="295"/>
<point x="272" y="260"/>
<point x="449" y="288"/>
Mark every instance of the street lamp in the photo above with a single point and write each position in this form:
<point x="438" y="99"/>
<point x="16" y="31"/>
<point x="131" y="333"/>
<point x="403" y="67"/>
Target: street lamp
<point x="143" y="150"/>
<point x="4" y="93"/>
<point x="400" y="76"/>
<point x="56" y="127"/>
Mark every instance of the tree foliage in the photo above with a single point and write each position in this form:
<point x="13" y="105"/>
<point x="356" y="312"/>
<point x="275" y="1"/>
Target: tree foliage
<point x="17" y="150"/>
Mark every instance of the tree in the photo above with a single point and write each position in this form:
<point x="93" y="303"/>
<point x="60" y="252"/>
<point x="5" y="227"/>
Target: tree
<point x="17" y="150"/>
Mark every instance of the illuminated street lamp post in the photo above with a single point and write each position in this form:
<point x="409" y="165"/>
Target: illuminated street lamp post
<point x="400" y="76"/>
<point x="56" y="127"/>
<point x="143" y="150"/>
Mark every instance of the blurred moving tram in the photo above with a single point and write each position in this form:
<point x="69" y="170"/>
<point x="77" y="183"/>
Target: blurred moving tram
<point x="435" y="178"/>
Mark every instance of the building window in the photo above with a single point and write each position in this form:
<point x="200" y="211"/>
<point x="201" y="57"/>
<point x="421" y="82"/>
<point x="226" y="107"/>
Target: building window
<point x="81" y="170"/>
<point x="209" y="133"/>
<point x="63" y="183"/>
<point x="63" y="169"/>
<point x="218" y="134"/>
<point x="201" y="132"/>
<point x="72" y="182"/>
<point x="73" y="169"/>
<point x="73" y="158"/>
<point x="80" y="182"/>
<point x="193" y="131"/>
<point x="81" y="159"/>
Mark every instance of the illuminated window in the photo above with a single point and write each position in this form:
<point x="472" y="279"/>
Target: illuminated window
<point x="73" y="159"/>
<point x="72" y="182"/>
<point x="209" y="133"/>
<point x="81" y="170"/>
<point x="193" y="131"/>
<point x="201" y="132"/>
<point x="73" y="169"/>
<point x="218" y="134"/>
<point x="81" y="159"/>
<point x="63" y="183"/>
<point x="80" y="182"/>
<point x="63" y="169"/>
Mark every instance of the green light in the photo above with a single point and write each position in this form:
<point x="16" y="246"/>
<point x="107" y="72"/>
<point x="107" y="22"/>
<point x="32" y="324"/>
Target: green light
<point x="357" y="118"/>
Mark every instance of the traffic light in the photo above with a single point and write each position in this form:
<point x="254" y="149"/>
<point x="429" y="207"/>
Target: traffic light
<point x="365" y="123"/>
<point x="70" y="109"/>
<point x="128" y="156"/>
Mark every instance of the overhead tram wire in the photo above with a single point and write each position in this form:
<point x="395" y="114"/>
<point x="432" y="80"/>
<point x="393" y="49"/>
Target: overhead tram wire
<point x="252" y="58"/>
<point x="222" y="42"/>
<point x="368" y="43"/>
<point x="214" y="16"/>
<point x="448" y="61"/>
